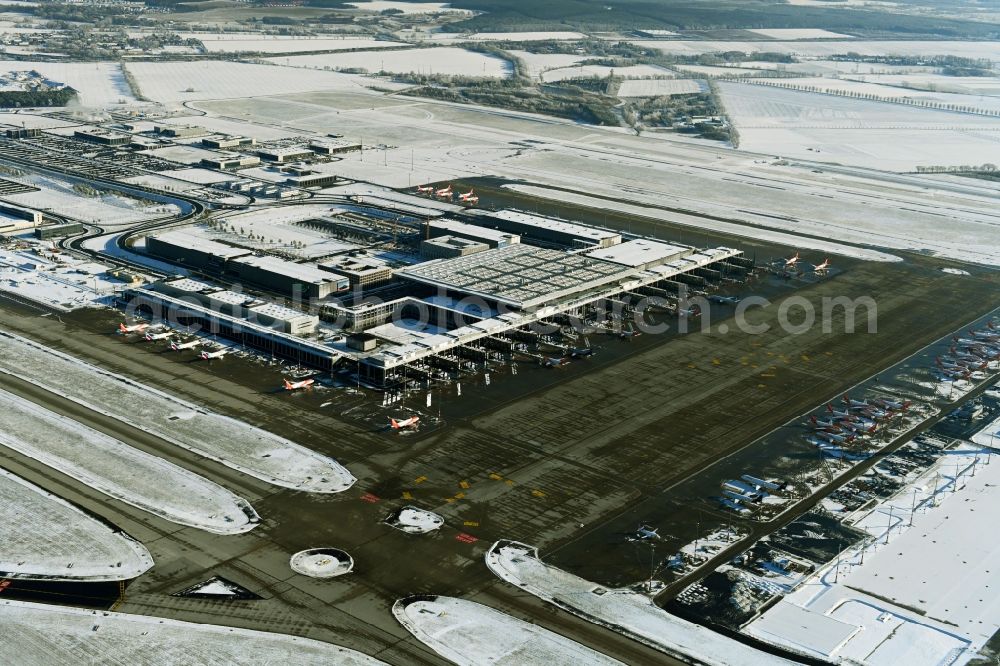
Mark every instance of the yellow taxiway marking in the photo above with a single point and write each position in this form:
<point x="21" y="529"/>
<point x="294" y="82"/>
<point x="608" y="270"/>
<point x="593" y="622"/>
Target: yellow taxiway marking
<point x="420" y="479"/>
<point x="471" y="523"/>
<point x="496" y="477"/>
<point x="407" y="495"/>
<point x="464" y="484"/>
<point x="537" y="493"/>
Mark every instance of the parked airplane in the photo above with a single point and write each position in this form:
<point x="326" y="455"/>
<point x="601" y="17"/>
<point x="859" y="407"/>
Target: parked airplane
<point x="465" y="196"/>
<point x="822" y="268"/>
<point x="855" y="404"/>
<point x="150" y="337"/>
<point x="828" y="425"/>
<point x="554" y="362"/>
<point x="444" y="192"/>
<point x="305" y="383"/>
<point x="425" y="189"/>
<point x="134" y="328"/>
<point x="181" y="346"/>
<point x="208" y="356"/>
<point x="792" y="261"/>
<point x="732" y="300"/>
<point x="839" y="414"/>
<point x="579" y="352"/>
<point x="831" y="437"/>
<point x="644" y="533"/>
<point x="404" y="423"/>
<point x="894" y="404"/>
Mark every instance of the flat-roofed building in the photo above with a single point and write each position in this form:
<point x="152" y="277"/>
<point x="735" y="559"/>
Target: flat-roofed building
<point x="492" y="237"/>
<point x="180" y="131"/>
<point x="224" y="142"/>
<point x="228" y="162"/>
<point x="334" y="146"/>
<point x="361" y="271"/>
<point x="550" y="230"/>
<point x="446" y="247"/>
<point x="641" y="253"/>
<point x="103" y="137"/>
<point x="283" y="155"/>
<point x="191" y="249"/>
<point x="287" y="277"/>
<point x="284" y="319"/>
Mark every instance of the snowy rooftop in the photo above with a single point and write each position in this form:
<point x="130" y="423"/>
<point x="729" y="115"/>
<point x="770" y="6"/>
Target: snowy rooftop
<point x="485" y="233"/>
<point x="640" y="252"/>
<point x="581" y="231"/>
<point x="198" y="242"/>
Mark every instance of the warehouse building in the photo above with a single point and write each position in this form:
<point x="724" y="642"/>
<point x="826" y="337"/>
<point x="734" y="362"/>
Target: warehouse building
<point x="227" y="142"/>
<point x="194" y="250"/>
<point x="286" y="277"/>
<point x="334" y="146"/>
<point x="361" y="271"/>
<point x="550" y="230"/>
<point x="492" y="237"/>
<point x="180" y="131"/>
<point x="642" y="253"/>
<point x="228" y="162"/>
<point x="446" y="247"/>
<point x="29" y="215"/>
<point x="103" y="137"/>
<point x="59" y="230"/>
<point x="284" y="155"/>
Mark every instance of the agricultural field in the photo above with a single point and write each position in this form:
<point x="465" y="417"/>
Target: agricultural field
<point x="406" y="7"/>
<point x="242" y="43"/>
<point x="538" y="63"/>
<point x="964" y="85"/>
<point x="177" y="82"/>
<point x="798" y="33"/>
<point x="661" y="87"/>
<point x="858" y="132"/>
<point x="430" y="61"/>
<point x="98" y="84"/>
<point x="602" y="71"/>
<point x="825" y="49"/>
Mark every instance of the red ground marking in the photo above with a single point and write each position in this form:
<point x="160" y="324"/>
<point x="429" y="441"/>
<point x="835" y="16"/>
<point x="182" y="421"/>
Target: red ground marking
<point x="368" y="497"/>
<point x="465" y="538"/>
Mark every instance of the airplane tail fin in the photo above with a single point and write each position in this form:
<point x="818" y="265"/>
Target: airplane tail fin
<point x="288" y="384"/>
<point x="122" y="328"/>
<point x="829" y="408"/>
<point x="813" y="419"/>
<point x="394" y="424"/>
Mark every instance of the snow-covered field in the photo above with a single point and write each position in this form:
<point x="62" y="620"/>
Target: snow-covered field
<point x="536" y="63"/>
<point x="61" y="636"/>
<point x="798" y="33"/>
<point x="659" y="87"/>
<point x="524" y="36"/>
<point x="964" y="85"/>
<point x="435" y="60"/>
<point x="624" y="611"/>
<point x="601" y="71"/>
<point x="64" y="285"/>
<point x="236" y="42"/>
<point x="57" y="196"/>
<point x="920" y="594"/>
<point x="885" y="136"/>
<point x="32" y="120"/>
<point x="98" y="84"/>
<point x="874" y="86"/>
<point x="44" y="536"/>
<point x="175" y="82"/>
<point x="988" y="436"/>
<point x="825" y="49"/>
<point x="121" y="471"/>
<point x="714" y="70"/>
<point x="233" y="443"/>
<point x="406" y="7"/>
<point x="277" y="230"/>
<point x="471" y="634"/>
<point x="834" y="67"/>
<point x="702" y="223"/>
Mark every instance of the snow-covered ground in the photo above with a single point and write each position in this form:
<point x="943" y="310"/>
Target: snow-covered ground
<point x="537" y="63"/>
<point x="661" y="87"/>
<point x="988" y="436"/>
<point x="625" y="611"/>
<point x="98" y="84"/>
<point x="119" y="470"/>
<point x="321" y="562"/>
<point x="406" y="7"/>
<point x="412" y="520"/>
<point x="61" y="636"/>
<point x="825" y="49"/>
<point x="919" y="591"/>
<point x="175" y="82"/>
<point x="233" y="443"/>
<point x="858" y="132"/>
<point x="436" y="60"/>
<point x="277" y="229"/>
<point x="236" y="42"/>
<point x="64" y="285"/>
<point x="798" y="33"/>
<point x="519" y="36"/>
<point x="966" y="85"/>
<point x="471" y="634"/>
<point x="44" y="536"/>
<point x="702" y="223"/>
<point x="603" y="71"/>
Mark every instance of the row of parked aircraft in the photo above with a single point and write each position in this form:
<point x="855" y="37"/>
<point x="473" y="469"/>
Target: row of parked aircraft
<point x="858" y="418"/>
<point x="448" y="193"/>
<point x="151" y="336"/>
<point x="968" y="356"/>
<point x="792" y="264"/>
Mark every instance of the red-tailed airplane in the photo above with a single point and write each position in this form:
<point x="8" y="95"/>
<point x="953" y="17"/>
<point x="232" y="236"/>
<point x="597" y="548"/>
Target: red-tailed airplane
<point x="465" y="196"/>
<point x="135" y="328"/>
<point x="305" y="383"/>
<point x="425" y="189"/>
<point x="404" y="423"/>
<point x="181" y="346"/>
<point x="208" y="356"/>
<point x="150" y="337"/>
<point x="444" y="192"/>
<point x="792" y="261"/>
<point x="822" y="268"/>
